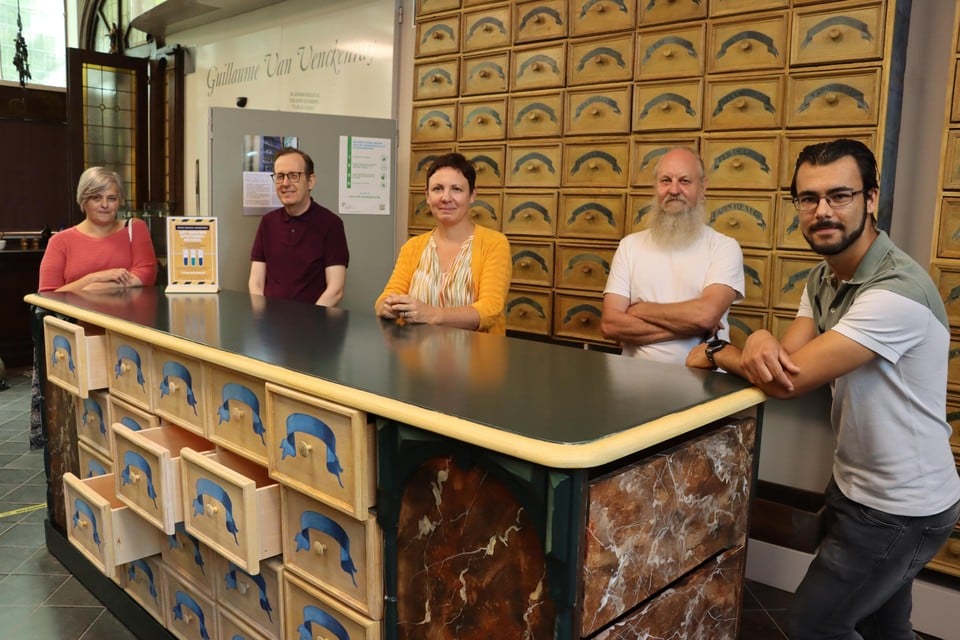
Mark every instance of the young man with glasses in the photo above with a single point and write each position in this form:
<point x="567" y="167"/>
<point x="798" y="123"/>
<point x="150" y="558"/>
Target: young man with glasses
<point x="871" y="323"/>
<point x="300" y="250"/>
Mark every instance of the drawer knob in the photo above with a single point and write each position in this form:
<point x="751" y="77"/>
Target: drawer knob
<point x="534" y="117"/>
<point x="524" y="263"/>
<point x="481" y="120"/>
<point x="595" y="112"/>
<point x="83" y="523"/>
<point x="319" y="548"/>
<point x="187" y="618"/>
<point x="593" y="166"/>
<point x="242" y="588"/>
<point x="124" y="368"/>
<point x="601" y="8"/>
<point x="211" y="509"/>
<point x="664" y="106"/>
<point x="173" y="386"/>
<point x="134" y="476"/>
<point x="589" y="215"/>
<point x="585" y="321"/>
<point x="741" y="104"/>
<point x="834" y="33"/>
<point x="746" y="45"/>
<point x="736" y="163"/>
<point x="433" y="123"/>
<point x="668" y="53"/>
<point x="536" y="67"/>
<point x="527" y="215"/>
<point x="437" y="35"/>
<point x="305" y="448"/>
<point x="484" y="74"/>
<point x="599" y="60"/>
<point x="831" y="98"/>
<point x="587" y="269"/>
<point x="238" y="412"/>
<point x="531" y="167"/>
<point x="953" y="546"/>
<point x="436" y="79"/>
<point x="522" y="313"/>
<point x="538" y="19"/>
<point x="488" y="28"/>
<point x="733" y="223"/>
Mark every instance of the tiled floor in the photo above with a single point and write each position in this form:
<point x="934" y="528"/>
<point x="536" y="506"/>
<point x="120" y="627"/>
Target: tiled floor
<point x="40" y="599"/>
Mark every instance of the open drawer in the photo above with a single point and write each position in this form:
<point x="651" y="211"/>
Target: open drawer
<point x="76" y="356"/>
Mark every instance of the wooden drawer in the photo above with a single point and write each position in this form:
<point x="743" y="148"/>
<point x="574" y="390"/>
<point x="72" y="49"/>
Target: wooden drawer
<point x="955" y="103"/>
<point x="255" y="599"/>
<point x="683" y="611"/>
<point x="434" y="122"/>
<point x="487" y="29"/>
<point x="947" y="559"/>
<point x="600" y="60"/>
<point x="529" y="213"/>
<point x="189" y="557"/>
<point x="588" y="17"/>
<point x="148" y="469"/>
<point x="131" y="417"/>
<point x="789" y="235"/>
<point x="425" y="7"/>
<point x="688" y="503"/>
<point x="190" y="615"/>
<point x="335" y="552"/>
<point x="583" y="266"/>
<point x="595" y="164"/>
<point x="483" y="120"/>
<point x="436" y="79"/>
<point x="827" y="35"/>
<point x="779" y="323"/>
<point x="76" y="356"/>
<point x="743" y="322"/>
<point x="533" y="166"/>
<point x="92" y="462"/>
<point x="529" y="310"/>
<point x="230" y="504"/>
<point x="93" y="418"/>
<point x="420" y="161"/>
<point x="598" y="112"/>
<point x="951" y="160"/>
<point x="486" y="74"/>
<point x="419" y="214"/>
<point x="747" y="45"/>
<point x="143" y="581"/>
<point x="577" y="317"/>
<point x="438" y="37"/>
<point x="536" y="115"/>
<point x="953" y="370"/>
<point x="323" y="449"/>
<point x="662" y="11"/>
<point x="947" y="277"/>
<point x="237" y="413"/>
<point x="790" y="278"/>
<point x="181" y="391"/>
<point x="591" y="215"/>
<point x="726" y="7"/>
<point x="675" y="52"/>
<point x="756" y="275"/>
<point x="132" y="363"/>
<point x="741" y="163"/>
<point x="638" y="206"/>
<point x="745" y="103"/>
<point x="488" y="161"/>
<point x="674" y="105"/>
<point x="532" y="263"/>
<point x="948" y="228"/>
<point x="795" y="142"/>
<point x="953" y="402"/>
<point x="234" y="627"/>
<point x="485" y="210"/>
<point x="538" y="68"/>
<point x="645" y="153"/>
<point x="748" y="219"/>
<point x="313" y="614"/>
<point x="102" y="528"/>
<point x="540" y="20"/>
<point x="823" y="100"/>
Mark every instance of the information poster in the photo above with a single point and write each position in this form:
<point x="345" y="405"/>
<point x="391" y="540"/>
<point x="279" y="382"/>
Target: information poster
<point x="192" y="255"/>
<point x="364" y="175"/>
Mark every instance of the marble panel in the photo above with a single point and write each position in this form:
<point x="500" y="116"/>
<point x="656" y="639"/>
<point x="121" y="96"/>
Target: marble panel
<point x="659" y="518"/>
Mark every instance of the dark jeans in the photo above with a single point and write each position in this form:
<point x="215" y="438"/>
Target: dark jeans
<point x="860" y="584"/>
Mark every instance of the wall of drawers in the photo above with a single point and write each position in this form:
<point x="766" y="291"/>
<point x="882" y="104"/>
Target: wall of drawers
<point x="226" y="506"/>
<point x="945" y="270"/>
<point x="565" y="106"/>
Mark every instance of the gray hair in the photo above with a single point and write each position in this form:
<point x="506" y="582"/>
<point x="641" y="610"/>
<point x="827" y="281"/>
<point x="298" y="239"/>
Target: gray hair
<point x="94" y="180"/>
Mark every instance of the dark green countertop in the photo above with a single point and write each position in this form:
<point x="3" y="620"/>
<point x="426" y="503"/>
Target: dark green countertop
<point x="530" y="393"/>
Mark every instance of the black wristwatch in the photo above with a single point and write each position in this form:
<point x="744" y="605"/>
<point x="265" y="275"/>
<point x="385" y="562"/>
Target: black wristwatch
<point x="712" y="347"/>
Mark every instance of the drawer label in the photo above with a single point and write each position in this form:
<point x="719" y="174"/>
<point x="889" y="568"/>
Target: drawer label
<point x="172" y="369"/>
<point x="303" y="423"/>
<point x="319" y="522"/>
<point x="848" y="21"/>
<point x="743" y="151"/>
<point x="81" y="508"/>
<point x="94" y="468"/>
<point x="315" y="615"/>
<point x="665" y="98"/>
<point x="129" y="476"/>
<point x="147" y="573"/>
<point x="602" y="155"/>
<point x="184" y="600"/>
<point x="91" y="406"/>
<point x="831" y="87"/>
<point x="210" y="489"/>
<point x="238" y="392"/>
<point x="130" y="423"/>
<point x="60" y="343"/>
<point x="762" y="38"/>
<point x="126" y="352"/>
<point x="677" y="40"/>
<point x="230" y="580"/>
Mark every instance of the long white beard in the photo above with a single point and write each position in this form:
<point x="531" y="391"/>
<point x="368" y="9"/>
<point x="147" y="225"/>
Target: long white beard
<point x="676" y="230"/>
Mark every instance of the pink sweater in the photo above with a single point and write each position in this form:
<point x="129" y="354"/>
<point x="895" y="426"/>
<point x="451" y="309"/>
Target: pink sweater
<point x="70" y="255"/>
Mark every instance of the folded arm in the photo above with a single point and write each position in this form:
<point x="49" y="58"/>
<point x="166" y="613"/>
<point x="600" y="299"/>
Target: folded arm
<point x="651" y="322"/>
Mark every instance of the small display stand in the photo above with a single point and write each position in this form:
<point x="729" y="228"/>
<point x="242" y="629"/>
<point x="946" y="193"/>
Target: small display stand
<point x="192" y="255"/>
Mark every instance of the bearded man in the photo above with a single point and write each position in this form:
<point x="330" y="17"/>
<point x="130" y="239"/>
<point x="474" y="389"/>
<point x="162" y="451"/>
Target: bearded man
<point x="671" y="285"/>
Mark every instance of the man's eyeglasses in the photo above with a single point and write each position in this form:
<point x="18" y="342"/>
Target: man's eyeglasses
<point x="293" y="177"/>
<point x="807" y="202"/>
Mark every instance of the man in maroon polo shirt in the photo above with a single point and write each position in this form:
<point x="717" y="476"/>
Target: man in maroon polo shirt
<point x="300" y="250"/>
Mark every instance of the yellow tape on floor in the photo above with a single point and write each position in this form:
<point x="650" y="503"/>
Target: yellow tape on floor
<point x="22" y="510"/>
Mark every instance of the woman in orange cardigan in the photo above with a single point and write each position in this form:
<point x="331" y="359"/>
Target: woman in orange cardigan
<point x="458" y="274"/>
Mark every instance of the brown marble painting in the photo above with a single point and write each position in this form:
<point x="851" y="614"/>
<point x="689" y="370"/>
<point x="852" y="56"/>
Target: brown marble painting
<point x="470" y="565"/>
<point x="61" y="424"/>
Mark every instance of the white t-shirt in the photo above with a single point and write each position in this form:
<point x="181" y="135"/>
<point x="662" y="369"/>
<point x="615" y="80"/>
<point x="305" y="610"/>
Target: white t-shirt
<point x="643" y="271"/>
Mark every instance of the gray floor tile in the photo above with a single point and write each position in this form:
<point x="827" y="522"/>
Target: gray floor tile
<point x="23" y="534"/>
<point x="19" y="475"/>
<point x="15" y="621"/>
<point x="28" y="590"/>
<point x="32" y="460"/>
<point x="72" y="594"/>
<point x="29" y="494"/>
<point x="63" y="623"/>
<point x="41" y="562"/>
<point x="106" y="626"/>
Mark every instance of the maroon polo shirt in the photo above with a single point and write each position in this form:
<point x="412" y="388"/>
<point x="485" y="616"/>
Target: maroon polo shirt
<point x="297" y="250"/>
